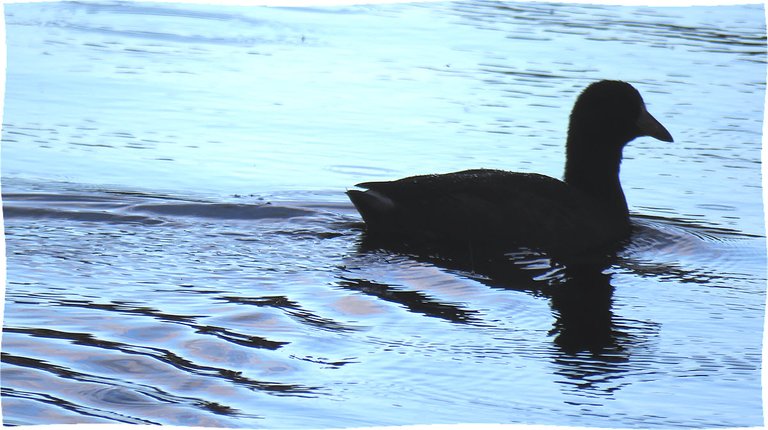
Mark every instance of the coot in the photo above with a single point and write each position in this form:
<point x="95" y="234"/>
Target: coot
<point x="484" y="207"/>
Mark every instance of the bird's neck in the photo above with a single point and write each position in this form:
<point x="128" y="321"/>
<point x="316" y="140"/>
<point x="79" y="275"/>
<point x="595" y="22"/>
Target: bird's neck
<point x="592" y="167"/>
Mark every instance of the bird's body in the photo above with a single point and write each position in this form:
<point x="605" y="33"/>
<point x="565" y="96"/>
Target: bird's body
<point x="485" y="208"/>
<point x="494" y="208"/>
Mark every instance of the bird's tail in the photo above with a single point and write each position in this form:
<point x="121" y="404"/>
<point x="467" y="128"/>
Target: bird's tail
<point x="373" y="207"/>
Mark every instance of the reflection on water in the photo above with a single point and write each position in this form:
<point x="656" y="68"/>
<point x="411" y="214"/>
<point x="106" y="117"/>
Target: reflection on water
<point x="180" y="250"/>
<point x="580" y="293"/>
<point x="414" y="301"/>
<point x="597" y="350"/>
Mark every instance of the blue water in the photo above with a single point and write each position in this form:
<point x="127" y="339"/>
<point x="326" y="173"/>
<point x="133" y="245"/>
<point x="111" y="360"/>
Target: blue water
<point x="180" y="250"/>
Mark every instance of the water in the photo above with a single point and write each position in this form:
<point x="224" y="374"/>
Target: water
<point x="180" y="250"/>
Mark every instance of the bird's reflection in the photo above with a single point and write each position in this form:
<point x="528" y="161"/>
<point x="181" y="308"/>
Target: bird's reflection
<point x="582" y="303"/>
<point x="592" y="346"/>
<point x="579" y="290"/>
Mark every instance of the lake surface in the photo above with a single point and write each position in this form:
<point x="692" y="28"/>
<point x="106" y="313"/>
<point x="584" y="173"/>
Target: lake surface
<point x="180" y="250"/>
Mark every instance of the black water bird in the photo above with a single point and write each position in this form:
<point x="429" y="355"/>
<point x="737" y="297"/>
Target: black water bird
<point x="494" y="208"/>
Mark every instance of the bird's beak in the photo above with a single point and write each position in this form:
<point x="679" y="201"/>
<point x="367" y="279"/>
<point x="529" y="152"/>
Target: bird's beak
<point x="649" y="126"/>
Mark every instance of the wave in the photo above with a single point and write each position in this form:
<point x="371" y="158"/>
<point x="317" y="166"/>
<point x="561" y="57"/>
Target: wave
<point x="135" y="209"/>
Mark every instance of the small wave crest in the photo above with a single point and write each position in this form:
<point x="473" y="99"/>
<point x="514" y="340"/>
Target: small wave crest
<point x="137" y="209"/>
<point x="222" y="210"/>
<point x="663" y="246"/>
